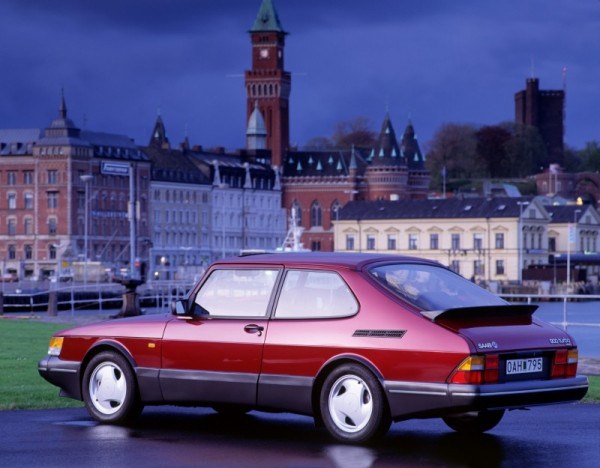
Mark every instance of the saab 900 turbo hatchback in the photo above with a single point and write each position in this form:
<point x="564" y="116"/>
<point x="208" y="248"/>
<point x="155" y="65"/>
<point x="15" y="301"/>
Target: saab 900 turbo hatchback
<point x="354" y="340"/>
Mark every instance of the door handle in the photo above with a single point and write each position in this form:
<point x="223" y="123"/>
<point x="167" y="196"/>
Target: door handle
<point x="253" y="328"/>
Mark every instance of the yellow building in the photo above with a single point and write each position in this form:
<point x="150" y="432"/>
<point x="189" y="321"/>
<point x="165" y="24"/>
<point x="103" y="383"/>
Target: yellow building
<point x="476" y="237"/>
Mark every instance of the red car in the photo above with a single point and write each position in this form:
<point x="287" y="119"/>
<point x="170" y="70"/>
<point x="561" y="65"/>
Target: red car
<point x="354" y="340"/>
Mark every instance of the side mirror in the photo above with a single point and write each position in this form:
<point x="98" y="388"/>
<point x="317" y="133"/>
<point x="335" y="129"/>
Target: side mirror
<point x="179" y="308"/>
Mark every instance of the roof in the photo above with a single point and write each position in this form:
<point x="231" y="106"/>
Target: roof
<point x="334" y="259"/>
<point x="174" y="166"/>
<point x="267" y="19"/>
<point x="560" y="214"/>
<point x="322" y="162"/>
<point x="468" y="208"/>
<point x="387" y="152"/>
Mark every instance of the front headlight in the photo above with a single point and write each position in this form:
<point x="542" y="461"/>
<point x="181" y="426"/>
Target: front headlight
<point x="55" y="346"/>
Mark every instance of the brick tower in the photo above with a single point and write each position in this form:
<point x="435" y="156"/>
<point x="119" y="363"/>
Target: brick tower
<point x="267" y="83"/>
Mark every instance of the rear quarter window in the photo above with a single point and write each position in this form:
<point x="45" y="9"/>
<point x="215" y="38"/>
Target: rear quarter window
<point x="308" y="294"/>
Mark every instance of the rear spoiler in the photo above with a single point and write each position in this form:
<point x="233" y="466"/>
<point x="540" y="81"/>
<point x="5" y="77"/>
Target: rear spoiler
<point x="481" y="312"/>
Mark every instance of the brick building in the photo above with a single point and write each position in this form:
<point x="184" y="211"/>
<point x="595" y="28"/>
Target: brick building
<point x="544" y="110"/>
<point x="55" y="180"/>
<point x="317" y="183"/>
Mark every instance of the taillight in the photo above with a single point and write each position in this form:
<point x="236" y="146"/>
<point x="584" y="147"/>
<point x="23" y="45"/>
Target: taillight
<point x="564" y="363"/>
<point x="476" y="370"/>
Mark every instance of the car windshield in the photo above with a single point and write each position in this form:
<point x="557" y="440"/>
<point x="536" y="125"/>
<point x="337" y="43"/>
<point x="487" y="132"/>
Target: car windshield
<point x="432" y="288"/>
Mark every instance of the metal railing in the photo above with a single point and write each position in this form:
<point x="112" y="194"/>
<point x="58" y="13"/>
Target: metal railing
<point x="564" y="298"/>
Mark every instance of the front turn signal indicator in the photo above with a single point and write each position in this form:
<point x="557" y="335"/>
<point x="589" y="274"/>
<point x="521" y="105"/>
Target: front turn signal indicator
<point x="55" y="346"/>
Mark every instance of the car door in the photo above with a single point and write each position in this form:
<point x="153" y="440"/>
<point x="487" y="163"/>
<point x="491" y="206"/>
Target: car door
<point x="215" y="355"/>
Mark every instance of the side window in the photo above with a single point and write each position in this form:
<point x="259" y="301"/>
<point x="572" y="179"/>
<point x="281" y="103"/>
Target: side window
<point x="236" y="293"/>
<point x="315" y="294"/>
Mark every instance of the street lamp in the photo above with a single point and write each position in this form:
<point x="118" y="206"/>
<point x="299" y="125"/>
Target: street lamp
<point x="572" y="237"/>
<point x="86" y="178"/>
<point x="520" y="240"/>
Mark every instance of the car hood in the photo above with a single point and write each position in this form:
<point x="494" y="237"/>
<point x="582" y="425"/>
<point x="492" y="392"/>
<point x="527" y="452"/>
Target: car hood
<point x="502" y="328"/>
<point x="143" y="326"/>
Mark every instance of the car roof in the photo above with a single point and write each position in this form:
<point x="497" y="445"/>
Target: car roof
<point x="354" y="261"/>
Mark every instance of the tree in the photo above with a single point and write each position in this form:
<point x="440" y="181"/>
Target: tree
<point x="590" y="156"/>
<point x="492" y="141"/>
<point x="357" y="131"/>
<point x="453" y="149"/>
<point x="525" y="152"/>
<point x="320" y="142"/>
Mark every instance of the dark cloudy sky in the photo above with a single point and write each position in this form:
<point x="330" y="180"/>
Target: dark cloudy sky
<point x="437" y="61"/>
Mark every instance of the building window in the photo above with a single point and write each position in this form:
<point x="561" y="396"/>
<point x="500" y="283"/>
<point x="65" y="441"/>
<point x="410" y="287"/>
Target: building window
<point x="52" y="177"/>
<point x="28" y="226"/>
<point x="391" y="241"/>
<point x="11" y="178"/>
<point x="12" y="252"/>
<point x="499" y="240"/>
<point x="412" y="242"/>
<point x="478" y="269"/>
<point x="52" y="252"/>
<point x="370" y="242"/>
<point x="455" y="266"/>
<point x="478" y="241"/>
<point x="28" y="200"/>
<point x="28" y="177"/>
<point x="315" y="246"/>
<point x="12" y="201"/>
<point x="434" y="241"/>
<point x="52" y="198"/>
<point x="455" y="239"/>
<point x="499" y="267"/>
<point x="52" y="226"/>
<point x="335" y="210"/>
<point x="349" y="242"/>
<point x="12" y="227"/>
<point x="28" y="252"/>
<point x="316" y="218"/>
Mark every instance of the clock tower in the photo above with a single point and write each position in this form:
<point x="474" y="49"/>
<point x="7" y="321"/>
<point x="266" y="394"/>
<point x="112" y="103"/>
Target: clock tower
<point x="267" y="83"/>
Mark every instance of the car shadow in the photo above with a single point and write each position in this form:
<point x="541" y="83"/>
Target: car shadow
<point x="272" y="436"/>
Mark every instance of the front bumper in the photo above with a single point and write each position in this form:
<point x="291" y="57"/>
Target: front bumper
<point x="413" y="399"/>
<point x="63" y="374"/>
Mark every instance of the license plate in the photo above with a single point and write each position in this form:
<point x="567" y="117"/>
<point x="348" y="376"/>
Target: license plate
<point x="524" y="366"/>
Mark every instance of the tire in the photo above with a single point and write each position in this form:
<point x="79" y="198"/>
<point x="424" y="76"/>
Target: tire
<point x="474" y="422"/>
<point x="353" y="405"/>
<point x="110" y="390"/>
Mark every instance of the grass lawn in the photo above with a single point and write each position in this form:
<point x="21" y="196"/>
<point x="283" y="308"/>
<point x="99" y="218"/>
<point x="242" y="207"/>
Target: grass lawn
<point x="25" y="342"/>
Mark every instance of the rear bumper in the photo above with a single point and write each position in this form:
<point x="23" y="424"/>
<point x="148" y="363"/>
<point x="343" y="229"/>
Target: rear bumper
<point x="410" y="399"/>
<point x="63" y="374"/>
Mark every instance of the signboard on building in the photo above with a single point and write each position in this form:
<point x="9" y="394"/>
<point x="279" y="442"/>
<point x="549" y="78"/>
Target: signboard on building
<point x="114" y="168"/>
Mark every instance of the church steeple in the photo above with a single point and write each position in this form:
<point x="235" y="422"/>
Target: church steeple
<point x="256" y="133"/>
<point x="267" y="19"/>
<point x="159" y="135"/>
<point x="268" y="85"/>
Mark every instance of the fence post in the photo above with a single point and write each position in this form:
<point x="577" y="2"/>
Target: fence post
<point x="53" y="303"/>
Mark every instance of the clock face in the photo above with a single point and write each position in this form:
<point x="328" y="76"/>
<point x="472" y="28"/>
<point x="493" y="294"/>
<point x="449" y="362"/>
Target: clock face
<point x="264" y="53"/>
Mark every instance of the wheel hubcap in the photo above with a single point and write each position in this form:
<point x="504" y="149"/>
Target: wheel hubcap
<point x="350" y="403"/>
<point x="108" y="388"/>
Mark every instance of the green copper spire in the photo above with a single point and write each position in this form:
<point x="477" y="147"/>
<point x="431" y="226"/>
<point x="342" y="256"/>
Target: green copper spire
<point x="267" y="19"/>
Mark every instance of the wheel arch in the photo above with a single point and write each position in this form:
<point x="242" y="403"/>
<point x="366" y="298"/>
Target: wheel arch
<point x="100" y="347"/>
<point x="328" y="367"/>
